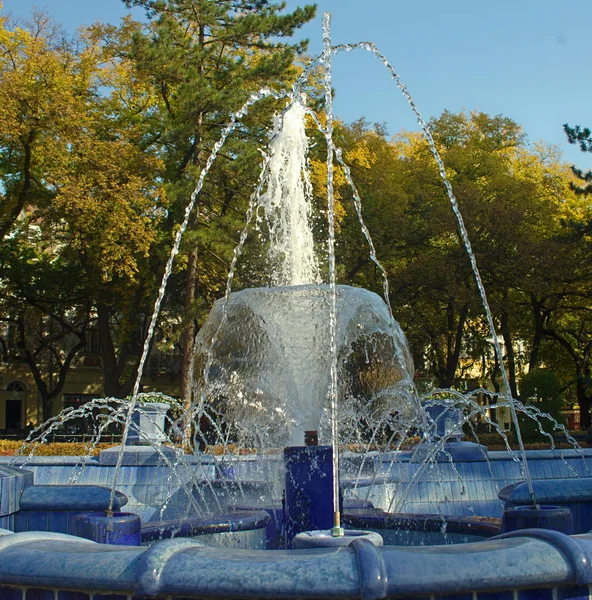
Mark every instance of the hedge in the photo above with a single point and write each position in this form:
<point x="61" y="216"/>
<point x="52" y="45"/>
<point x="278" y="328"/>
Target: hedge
<point x="11" y="447"/>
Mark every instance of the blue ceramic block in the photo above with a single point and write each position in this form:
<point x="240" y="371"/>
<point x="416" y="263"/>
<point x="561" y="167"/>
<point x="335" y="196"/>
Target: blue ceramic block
<point x="21" y="521"/>
<point x="38" y="520"/>
<point x="535" y="594"/>
<point x="5" y="495"/>
<point x="10" y="593"/>
<point x="508" y="595"/>
<point x="69" y="497"/>
<point x="574" y="493"/>
<point x="39" y="594"/>
<point x="584" y="512"/>
<point x="120" y="529"/>
<point x="7" y="522"/>
<point x="73" y="596"/>
<point x="574" y="593"/>
<point x="58" y="521"/>
<point x="557" y="518"/>
<point x="308" y="489"/>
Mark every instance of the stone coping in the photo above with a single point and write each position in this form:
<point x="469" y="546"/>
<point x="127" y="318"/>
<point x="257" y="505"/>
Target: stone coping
<point x="138" y="456"/>
<point x="13" y="482"/>
<point x="234" y="522"/>
<point x="377" y="519"/>
<point x="493" y="455"/>
<point x="234" y="484"/>
<point x="549" y="491"/>
<point x="69" y="497"/>
<point x="183" y="568"/>
<point x="206" y="459"/>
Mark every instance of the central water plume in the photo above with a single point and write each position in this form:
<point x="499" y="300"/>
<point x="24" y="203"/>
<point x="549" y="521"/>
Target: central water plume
<point x="287" y="203"/>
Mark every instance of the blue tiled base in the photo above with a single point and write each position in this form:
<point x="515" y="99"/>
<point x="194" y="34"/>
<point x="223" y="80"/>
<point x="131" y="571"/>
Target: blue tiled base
<point x="45" y="520"/>
<point x="16" y="593"/>
<point x="13" y="482"/>
<point x="574" y="593"/>
<point x="10" y="593"/>
<point x="509" y="595"/>
<point x="122" y="529"/>
<point x="53" y="507"/>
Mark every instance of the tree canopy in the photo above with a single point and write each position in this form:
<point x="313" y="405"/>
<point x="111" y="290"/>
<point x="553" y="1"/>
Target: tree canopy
<point x="102" y="140"/>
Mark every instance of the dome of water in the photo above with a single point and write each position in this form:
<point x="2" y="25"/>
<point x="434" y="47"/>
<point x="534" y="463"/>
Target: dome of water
<point x="265" y="362"/>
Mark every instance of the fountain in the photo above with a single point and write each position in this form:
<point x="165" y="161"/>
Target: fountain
<point x="289" y="367"/>
<point x="271" y="371"/>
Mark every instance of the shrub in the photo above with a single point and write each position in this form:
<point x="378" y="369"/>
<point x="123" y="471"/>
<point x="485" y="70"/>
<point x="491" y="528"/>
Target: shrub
<point x="11" y="447"/>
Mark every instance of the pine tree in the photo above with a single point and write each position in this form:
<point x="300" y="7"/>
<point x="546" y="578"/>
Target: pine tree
<point x="203" y="59"/>
<point x="582" y="137"/>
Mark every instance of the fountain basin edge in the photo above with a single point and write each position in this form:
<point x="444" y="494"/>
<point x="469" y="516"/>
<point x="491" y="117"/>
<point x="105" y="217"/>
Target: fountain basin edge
<point x="182" y="568"/>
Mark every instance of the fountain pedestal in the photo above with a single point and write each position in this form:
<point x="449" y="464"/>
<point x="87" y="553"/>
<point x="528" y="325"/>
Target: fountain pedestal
<point x="148" y="424"/>
<point x="308" y="489"/>
<point x="144" y="443"/>
<point x="324" y="539"/>
<point x="558" y="518"/>
<point x="120" y="529"/>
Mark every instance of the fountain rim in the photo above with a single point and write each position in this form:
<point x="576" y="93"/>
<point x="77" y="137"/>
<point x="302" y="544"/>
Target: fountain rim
<point x="60" y="561"/>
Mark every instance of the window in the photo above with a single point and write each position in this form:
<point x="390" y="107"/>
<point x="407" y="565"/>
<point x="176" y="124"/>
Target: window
<point x="15" y="386"/>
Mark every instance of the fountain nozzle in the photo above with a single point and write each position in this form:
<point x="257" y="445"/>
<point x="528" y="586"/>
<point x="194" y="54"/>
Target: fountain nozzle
<point x="337" y="529"/>
<point x="311" y="438"/>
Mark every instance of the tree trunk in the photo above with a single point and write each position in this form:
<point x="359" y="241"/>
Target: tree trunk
<point x="537" y="338"/>
<point x="448" y="364"/>
<point x="510" y="357"/>
<point x="110" y="363"/>
<point x="581" y="371"/>
<point x="47" y="393"/>
<point x="115" y="360"/>
<point x="191" y="282"/>
<point x="583" y="402"/>
<point x="120" y="365"/>
<point x="190" y="327"/>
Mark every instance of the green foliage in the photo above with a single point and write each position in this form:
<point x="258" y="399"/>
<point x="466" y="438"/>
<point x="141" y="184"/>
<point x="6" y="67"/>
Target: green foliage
<point x="82" y="201"/>
<point x="514" y="199"/>
<point x="533" y="441"/>
<point x="201" y="60"/>
<point x="101" y="143"/>
<point x="542" y="388"/>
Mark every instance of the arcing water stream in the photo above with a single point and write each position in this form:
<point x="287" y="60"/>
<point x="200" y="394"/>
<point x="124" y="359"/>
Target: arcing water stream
<point x="333" y="387"/>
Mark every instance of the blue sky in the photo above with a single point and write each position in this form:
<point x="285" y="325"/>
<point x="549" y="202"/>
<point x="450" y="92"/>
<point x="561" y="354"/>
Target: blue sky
<point x="526" y="59"/>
